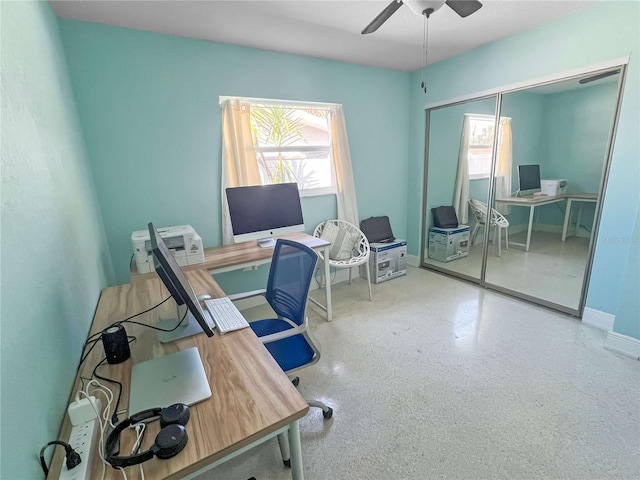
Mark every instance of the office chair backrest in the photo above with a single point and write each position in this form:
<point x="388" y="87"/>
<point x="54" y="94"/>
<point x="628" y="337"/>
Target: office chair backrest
<point x="290" y="277"/>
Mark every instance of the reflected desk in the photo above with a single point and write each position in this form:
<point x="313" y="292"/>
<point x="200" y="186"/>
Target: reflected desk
<point x="538" y="200"/>
<point x="252" y="399"/>
<point x="237" y="256"/>
<point x="576" y="197"/>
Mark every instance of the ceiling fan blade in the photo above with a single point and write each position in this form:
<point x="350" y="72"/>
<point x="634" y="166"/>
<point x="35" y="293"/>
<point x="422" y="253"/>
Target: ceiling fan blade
<point x="382" y="17"/>
<point x="464" y="8"/>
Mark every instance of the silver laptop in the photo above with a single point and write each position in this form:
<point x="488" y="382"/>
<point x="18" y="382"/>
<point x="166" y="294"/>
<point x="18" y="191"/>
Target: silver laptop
<point x="174" y="378"/>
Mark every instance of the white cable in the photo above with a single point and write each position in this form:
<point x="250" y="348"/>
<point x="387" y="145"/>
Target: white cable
<point x="124" y="475"/>
<point x="102" y="419"/>
<point x="140" y="431"/>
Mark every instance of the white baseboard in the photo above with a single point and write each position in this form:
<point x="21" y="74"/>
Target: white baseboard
<point x="623" y="344"/>
<point x="413" y="260"/>
<point x="596" y="318"/>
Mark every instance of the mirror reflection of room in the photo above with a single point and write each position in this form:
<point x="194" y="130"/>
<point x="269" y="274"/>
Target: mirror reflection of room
<point x="552" y="144"/>
<point x="460" y="146"/>
<point x="560" y="140"/>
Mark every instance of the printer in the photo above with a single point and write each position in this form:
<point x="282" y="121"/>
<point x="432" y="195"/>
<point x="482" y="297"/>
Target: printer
<point x="182" y="241"/>
<point x="553" y="187"/>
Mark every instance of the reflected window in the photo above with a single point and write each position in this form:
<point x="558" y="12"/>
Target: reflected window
<point x="480" y="145"/>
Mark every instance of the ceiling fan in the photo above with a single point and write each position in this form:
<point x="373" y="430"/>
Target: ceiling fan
<point x="463" y="8"/>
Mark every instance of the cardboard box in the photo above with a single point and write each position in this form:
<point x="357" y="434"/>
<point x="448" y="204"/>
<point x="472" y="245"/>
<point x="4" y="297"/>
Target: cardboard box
<point x="446" y="244"/>
<point x="386" y="261"/>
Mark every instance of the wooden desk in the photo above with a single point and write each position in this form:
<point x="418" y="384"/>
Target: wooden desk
<point x="252" y="399"/>
<point x="237" y="256"/>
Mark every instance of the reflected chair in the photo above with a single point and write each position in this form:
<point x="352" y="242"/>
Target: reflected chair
<point x="287" y="337"/>
<point x="498" y="221"/>
<point x="353" y="249"/>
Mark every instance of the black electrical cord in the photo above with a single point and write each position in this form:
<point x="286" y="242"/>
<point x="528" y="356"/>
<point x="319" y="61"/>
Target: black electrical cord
<point x="114" y="417"/>
<point x="73" y="457"/>
<point x="96" y="337"/>
<point x="153" y="327"/>
<point x="320" y="273"/>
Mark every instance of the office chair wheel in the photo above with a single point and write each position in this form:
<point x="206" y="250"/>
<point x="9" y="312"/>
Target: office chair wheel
<point x="287" y="463"/>
<point x="295" y="381"/>
<point x="328" y="414"/>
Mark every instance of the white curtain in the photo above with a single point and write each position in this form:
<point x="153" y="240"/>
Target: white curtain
<point x="239" y="162"/>
<point x="461" y="193"/>
<point x="505" y="160"/>
<point x="345" y="185"/>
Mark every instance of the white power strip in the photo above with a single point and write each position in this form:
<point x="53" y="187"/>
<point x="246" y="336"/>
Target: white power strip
<point x="82" y="440"/>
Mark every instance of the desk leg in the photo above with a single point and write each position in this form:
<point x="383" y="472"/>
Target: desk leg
<point x="297" y="472"/>
<point x="327" y="283"/>
<point x="531" y="210"/>
<point x="567" y="219"/>
<point x="579" y="218"/>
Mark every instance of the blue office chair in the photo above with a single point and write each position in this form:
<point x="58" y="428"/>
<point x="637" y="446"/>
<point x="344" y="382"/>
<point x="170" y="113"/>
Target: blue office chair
<point x="287" y="337"/>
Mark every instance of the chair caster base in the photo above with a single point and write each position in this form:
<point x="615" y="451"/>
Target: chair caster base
<point x="328" y="414"/>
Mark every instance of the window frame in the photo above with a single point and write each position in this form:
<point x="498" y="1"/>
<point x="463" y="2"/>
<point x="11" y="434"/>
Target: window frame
<point x="479" y="116"/>
<point x="327" y="148"/>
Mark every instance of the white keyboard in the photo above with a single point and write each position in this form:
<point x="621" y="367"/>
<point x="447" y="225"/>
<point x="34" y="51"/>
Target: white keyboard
<point x="225" y="315"/>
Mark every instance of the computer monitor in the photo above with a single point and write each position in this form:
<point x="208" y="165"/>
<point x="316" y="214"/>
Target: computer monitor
<point x="178" y="377"/>
<point x="529" y="179"/>
<point x="264" y="211"/>
<point x="180" y="289"/>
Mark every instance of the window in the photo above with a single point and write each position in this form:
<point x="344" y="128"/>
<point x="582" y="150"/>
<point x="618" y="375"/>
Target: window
<point x="293" y="144"/>
<point x="480" y="145"/>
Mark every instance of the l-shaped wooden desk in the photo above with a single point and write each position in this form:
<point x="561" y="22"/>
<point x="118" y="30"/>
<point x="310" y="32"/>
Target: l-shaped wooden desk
<point x="252" y="399"/>
<point x="226" y="258"/>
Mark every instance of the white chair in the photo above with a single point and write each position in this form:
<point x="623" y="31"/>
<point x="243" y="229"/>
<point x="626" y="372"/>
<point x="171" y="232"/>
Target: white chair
<point x="359" y="253"/>
<point x="498" y="221"/>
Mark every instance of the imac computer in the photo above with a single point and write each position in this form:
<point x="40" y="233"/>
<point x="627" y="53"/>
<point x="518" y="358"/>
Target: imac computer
<point x="178" y="377"/>
<point x="528" y="179"/>
<point x="264" y="211"/>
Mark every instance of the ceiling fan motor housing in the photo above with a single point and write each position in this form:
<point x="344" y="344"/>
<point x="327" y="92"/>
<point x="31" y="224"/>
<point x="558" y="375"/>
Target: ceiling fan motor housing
<point x="426" y="7"/>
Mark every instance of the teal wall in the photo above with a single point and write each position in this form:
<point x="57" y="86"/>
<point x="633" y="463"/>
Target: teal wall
<point x="54" y="255"/>
<point x="148" y="104"/>
<point x="576" y="129"/>
<point x="605" y="31"/>
<point x="526" y="112"/>
<point x="627" y="317"/>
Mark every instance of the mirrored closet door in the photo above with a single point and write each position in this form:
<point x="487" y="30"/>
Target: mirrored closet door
<point x="460" y="146"/>
<point x="526" y="172"/>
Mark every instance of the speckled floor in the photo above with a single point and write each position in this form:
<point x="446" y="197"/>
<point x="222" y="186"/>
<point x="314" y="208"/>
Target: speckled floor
<point x="551" y="270"/>
<point x="437" y="378"/>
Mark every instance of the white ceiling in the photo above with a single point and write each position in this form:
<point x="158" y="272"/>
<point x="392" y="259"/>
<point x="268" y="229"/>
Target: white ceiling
<point x="324" y="28"/>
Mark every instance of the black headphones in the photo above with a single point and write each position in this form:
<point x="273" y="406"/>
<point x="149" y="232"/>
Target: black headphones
<point x="170" y="441"/>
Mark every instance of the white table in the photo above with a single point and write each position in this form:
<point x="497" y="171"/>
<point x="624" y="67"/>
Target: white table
<point x="534" y="201"/>
<point x="576" y="197"/>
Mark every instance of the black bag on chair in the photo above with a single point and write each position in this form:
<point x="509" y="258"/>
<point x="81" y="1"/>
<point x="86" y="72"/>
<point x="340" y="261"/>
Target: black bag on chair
<point x="444" y="217"/>
<point x="377" y="229"/>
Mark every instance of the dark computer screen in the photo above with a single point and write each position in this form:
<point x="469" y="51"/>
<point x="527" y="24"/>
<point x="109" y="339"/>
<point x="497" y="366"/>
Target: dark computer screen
<point x="529" y="177"/>
<point x="174" y="280"/>
<point x="264" y="211"/>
